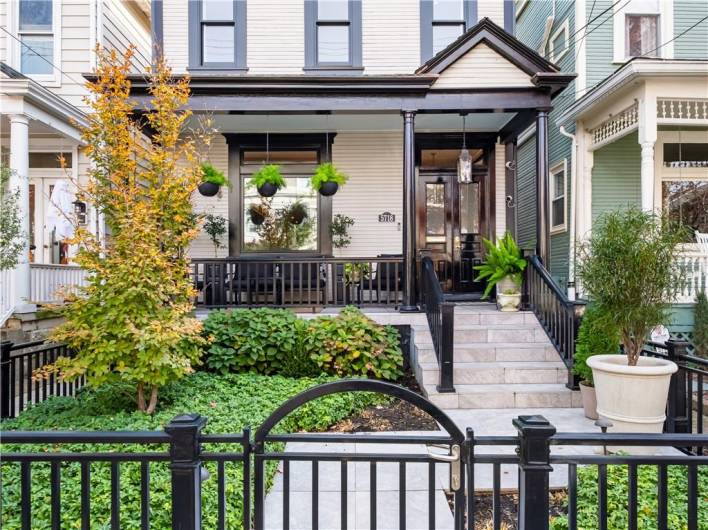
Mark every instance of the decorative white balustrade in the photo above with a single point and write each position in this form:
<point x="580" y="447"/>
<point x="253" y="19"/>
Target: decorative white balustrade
<point x="684" y="109"/>
<point x="50" y="283"/>
<point x="695" y="264"/>
<point x="618" y="125"/>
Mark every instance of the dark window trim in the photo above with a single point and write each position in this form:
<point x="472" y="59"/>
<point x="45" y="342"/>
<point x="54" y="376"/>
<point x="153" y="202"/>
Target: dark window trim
<point x="195" y="37"/>
<point x="427" y="22"/>
<point x="510" y="17"/>
<point x="156" y="22"/>
<point x="237" y="143"/>
<point x="311" y="24"/>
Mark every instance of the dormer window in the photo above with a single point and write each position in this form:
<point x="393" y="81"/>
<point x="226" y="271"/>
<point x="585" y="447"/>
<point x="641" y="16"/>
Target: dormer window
<point x="217" y="34"/>
<point x="443" y="21"/>
<point x="332" y="34"/>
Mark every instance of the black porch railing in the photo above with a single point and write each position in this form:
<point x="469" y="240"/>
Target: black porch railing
<point x="441" y="321"/>
<point x="298" y="282"/>
<point x="559" y="316"/>
<point x="18" y="387"/>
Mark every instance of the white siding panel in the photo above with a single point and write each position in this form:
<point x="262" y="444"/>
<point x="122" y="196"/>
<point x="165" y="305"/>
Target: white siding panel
<point x="276" y="37"/>
<point x="4" y="22"/>
<point x="175" y="30"/>
<point x="493" y="9"/>
<point x="75" y="50"/>
<point x="374" y="163"/>
<point x="202" y="246"/>
<point x="482" y="67"/>
<point x="390" y="36"/>
<point x="500" y="189"/>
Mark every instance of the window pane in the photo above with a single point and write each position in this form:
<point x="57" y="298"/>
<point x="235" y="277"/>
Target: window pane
<point x="435" y="213"/>
<point x="283" y="225"/>
<point x="559" y="44"/>
<point x="687" y="202"/>
<point x="444" y="35"/>
<point x="333" y="10"/>
<point x="35" y="15"/>
<point x="469" y="208"/>
<point x="557" y="214"/>
<point x="280" y="157"/>
<point x="218" y="44"/>
<point x="332" y="44"/>
<point x="558" y="184"/>
<point x="686" y="155"/>
<point x="448" y="10"/>
<point x="37" y="54"/>
<point x="217" y="10"/>
<point x="641" y="31"/>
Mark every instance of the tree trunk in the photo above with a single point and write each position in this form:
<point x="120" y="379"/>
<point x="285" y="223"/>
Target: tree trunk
<point x="153" y="401"/>
<point x="141" y="397"/>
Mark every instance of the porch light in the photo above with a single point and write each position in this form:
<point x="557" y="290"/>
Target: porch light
<point x="464" y="162"/>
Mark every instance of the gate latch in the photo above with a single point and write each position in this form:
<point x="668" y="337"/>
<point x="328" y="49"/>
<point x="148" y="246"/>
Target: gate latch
<point x="454" y="459"/>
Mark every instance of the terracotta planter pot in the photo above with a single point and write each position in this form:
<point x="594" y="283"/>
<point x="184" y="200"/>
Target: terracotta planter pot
<point x="633" y="398"/>
<point x="587" y="394"/>
<point x="328" y="189"/>
<point x="267" y="190"/>
<point x="208" y="189"/>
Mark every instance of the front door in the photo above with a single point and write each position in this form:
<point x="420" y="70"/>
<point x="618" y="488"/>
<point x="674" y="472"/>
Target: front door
<point x="450" y="227"/>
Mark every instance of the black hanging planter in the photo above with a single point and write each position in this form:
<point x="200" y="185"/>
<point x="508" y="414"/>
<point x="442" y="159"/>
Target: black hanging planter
<point x="208" y="189"/>
<point x="267" y="189"/>
<point x="327" y="189"/>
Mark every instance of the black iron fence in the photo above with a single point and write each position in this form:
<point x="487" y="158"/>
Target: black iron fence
<point x="18" y="387"/>
<point x="441" y="321"/>
<point x="530" y="467"/>
<point x="298" y="282"/>
<point x="559" y="316"/>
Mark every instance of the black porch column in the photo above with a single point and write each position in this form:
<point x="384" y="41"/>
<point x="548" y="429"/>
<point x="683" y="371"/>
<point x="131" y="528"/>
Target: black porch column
<point x="409" y="294"/>
<point x="542" y="199"/>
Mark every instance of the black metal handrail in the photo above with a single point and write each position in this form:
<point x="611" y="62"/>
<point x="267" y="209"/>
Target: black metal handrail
<point x="441" y="321"/>
<point x="297" y="281"/>
<point x="18" y="387"/>
<point x="559" y="316"/>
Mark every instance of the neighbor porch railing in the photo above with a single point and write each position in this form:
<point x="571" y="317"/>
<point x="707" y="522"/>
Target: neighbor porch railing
<point x="559" y="316"/>
<point x="50" y="282"/>
<point x="7" y="294"/>
<point x="441" y="321"/>
<point x="297" y="282"/>
<point x="694" y="262"/>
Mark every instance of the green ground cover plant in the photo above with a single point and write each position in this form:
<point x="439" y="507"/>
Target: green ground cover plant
<point x="617" y="494"/>
<point x="230" y="402"/>
<point x="597" y="336"/>
<point x="270" y="341"/>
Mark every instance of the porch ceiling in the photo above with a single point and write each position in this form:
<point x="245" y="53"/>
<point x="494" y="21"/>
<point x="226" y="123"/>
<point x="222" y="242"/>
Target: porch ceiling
<point x="293" y="123"/>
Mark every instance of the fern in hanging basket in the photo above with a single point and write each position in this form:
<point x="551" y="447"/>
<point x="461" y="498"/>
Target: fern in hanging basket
<point x="213" y="176"/>
<point x="327" y="172"/>
<point x="268" y="174"/>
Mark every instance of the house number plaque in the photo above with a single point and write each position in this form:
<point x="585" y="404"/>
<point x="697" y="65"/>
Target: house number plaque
<point x="387" y="217"/>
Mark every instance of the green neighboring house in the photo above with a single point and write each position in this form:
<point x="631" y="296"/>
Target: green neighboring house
<point x="631" y="128"/>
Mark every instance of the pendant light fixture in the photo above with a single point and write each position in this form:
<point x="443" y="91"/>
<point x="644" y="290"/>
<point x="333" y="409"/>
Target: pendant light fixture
<point x="464" y="162"/>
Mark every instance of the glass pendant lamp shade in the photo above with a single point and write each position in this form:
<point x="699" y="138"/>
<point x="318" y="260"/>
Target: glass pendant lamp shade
<point x="464" y="162"/>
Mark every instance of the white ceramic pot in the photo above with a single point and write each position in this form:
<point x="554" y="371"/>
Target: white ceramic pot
<point x="508" y="302"/>
<point x="633" y="398"/>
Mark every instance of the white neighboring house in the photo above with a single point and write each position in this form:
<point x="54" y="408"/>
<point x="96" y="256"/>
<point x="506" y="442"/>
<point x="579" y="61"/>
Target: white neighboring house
<point x="45" y="48"/>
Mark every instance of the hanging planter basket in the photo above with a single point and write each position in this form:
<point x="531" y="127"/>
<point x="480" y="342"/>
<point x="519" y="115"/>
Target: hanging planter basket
<point x="327" y="179"/>
<point x="208" y="189"/>
<point x="267" y="190"/>
<point x="257" y="218"/>
<point x="327" y="189"/>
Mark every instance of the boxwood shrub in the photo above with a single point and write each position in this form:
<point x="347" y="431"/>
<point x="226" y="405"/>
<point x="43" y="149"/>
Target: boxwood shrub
<point x="230" y="402"/>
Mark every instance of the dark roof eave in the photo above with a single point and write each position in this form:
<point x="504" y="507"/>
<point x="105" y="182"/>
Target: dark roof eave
<point x="554" y="81"/>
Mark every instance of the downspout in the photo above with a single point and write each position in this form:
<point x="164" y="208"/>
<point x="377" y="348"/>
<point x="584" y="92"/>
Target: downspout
<point x="573" y="195"/>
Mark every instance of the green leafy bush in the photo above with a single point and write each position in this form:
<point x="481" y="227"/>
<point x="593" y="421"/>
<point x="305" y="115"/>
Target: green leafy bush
<point x="700" y="325"/>
<point x="230" y="402"/>
<point x="213" y="175"/>
<point x="352" y="344"/>
<point x="327" y="172"/>
<point x="272" y="341"/>
<point x="617" y="494"/>
<point x="502" y="260"/>
<point x="339" y="230"/>
<point x="270" y="173"/>
<point x="597" y="336"/>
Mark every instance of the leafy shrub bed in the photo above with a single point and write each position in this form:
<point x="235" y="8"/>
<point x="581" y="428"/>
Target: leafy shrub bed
<point x="230" y="402"/>
<point x="271" y="341"/>
<point x="617" y="495"/>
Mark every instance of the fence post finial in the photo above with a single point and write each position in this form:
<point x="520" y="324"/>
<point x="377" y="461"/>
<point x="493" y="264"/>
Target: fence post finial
<point x="534" y="467"/>
<point x="185" y="431"/>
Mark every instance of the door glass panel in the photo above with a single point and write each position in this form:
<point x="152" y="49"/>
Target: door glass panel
<point x="469" y="208"/>
<point x="435" y="214"/>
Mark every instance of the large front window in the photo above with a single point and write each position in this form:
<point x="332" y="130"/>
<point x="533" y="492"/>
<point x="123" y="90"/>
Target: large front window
<point x="686" y="201"/>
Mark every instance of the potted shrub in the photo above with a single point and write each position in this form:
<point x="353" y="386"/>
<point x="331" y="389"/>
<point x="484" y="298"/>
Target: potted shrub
<point x="296" y="212"/>
<point x="212" y="180"/>
<point x="327" y="179"/>
<point x="596" y="336"/>
<point x="503" y="268"/>
<point x="267" y="180"/>
<point x="258" y="212"/>
<point x="628" y="268"/>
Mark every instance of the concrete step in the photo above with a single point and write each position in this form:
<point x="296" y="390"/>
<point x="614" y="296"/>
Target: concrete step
<point x="485" y="373"/>
<point x="486" y="352"/>
<point x="504" y="396"/>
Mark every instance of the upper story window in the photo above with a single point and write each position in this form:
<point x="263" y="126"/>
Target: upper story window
<point x="558" y="197"/>
<point x="643" y="28"/>
<point x="332" y="34"/>
<point x="558" y="43"/>
<point x="36" y="30"/>
<point x="217" y="34"/>
<point x="443" y="21"/>
<point x="641" y="35"/>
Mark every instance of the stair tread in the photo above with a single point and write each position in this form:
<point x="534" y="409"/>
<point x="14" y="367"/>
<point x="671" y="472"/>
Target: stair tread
<point x="486" y="345"/>
<point x="514" y="365"/>
<point x="505" y="388"/>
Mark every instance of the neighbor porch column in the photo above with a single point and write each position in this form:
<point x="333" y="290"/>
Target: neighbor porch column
<point x="19" y="180"/>
<point x="409" y="294"/>
<point x="647" y="176"/>
<point x="542" y="225"/>
<point x="647" y="141"/>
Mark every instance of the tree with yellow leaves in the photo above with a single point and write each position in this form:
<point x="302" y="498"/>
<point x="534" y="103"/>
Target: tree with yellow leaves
<point x="133" y="320"/>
